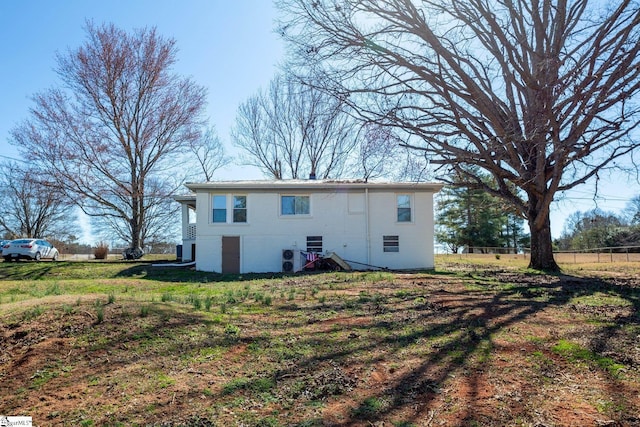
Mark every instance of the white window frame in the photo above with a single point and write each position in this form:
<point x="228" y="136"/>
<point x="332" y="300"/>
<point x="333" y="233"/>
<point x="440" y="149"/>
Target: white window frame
<point x="234" y="209"/>
<point x="213" y="208"/>
<point x="411" y="210"/>
<point x="295" y="215"/>
<point x="229" y="208"/>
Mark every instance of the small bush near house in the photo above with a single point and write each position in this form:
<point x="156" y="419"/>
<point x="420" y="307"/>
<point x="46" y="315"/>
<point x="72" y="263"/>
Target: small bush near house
<point x="101" y="251"/>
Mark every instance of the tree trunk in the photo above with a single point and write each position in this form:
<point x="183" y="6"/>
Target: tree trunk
<point x="135" y="233"/>
<point x="541" y="245"/>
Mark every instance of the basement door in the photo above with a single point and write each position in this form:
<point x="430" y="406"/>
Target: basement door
<point x="230" y="254"/>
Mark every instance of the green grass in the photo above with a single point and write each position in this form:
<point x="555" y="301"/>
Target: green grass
<point x="163" y="380"/>
<point x="371" y="407"/>
<point x="66" y="270"/>
<point x="134" y="280"/>
<point x="266" y="348"/>
<point x="257" y="385"/>
<point x="576" y="353"/>
<point x="99" y="314"/>
<point x="582" y="265"/>
<point x="601" y="299"/>
<point x="42" y="376"/>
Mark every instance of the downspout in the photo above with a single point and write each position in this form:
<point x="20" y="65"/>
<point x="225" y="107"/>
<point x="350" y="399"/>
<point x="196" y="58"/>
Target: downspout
<point x="367" y="228"/>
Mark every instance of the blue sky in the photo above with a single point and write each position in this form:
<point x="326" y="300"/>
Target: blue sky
<point x="227" y="46"/>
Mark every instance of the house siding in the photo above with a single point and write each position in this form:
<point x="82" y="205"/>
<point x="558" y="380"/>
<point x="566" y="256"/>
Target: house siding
<point x="351" y="221"/>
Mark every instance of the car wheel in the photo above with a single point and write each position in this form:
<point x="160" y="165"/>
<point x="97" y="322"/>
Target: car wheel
<point x="38" y="256"/>
<point x="7" y="258"/>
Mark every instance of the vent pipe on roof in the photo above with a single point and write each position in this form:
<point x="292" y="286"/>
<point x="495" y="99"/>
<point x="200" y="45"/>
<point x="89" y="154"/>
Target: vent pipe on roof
<point x="312" y="175"/>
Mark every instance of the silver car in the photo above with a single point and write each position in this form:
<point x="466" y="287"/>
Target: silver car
<point x="35" y="249"/>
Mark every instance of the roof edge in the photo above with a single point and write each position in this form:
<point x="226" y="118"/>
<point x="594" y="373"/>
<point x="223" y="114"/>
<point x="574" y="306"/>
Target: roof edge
<point x="317" y="185"/>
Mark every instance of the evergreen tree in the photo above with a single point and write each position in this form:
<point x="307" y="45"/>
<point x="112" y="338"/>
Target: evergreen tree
<point x="471" y="217"/>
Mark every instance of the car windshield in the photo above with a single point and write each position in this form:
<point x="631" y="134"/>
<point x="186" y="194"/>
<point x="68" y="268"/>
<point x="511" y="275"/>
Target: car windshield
<point x="21" y="241"/>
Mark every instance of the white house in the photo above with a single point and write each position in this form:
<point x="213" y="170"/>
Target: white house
<point x="272" y="226"/>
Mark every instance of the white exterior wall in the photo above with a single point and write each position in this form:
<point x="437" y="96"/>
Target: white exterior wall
<point x="187" y="233"/>
<point x="208" y="243"/>
<point x="351" y="223"/>
<point x="415" y="238"/>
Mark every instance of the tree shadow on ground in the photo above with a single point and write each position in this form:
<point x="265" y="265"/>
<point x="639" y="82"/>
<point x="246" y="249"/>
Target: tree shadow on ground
<point x="435" y="334"/>
<point x="475" y="322"/>
<point x="461" y="337"/>
<point x="23" y="270"/>
<point x="457" y="328"/>
<point x="453" y="334"/>
<point x="189" y="274"/>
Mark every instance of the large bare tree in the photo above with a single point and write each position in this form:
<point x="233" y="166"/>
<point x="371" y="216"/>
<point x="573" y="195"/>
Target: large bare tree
<point x="539" y="93"/>
<point x="293" y="131"/>
<point x="29" y="208"/>
<point x="110" y="134"/>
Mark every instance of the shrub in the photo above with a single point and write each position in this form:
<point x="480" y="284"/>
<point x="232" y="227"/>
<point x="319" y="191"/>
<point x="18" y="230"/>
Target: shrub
<point x="101" y="251"/>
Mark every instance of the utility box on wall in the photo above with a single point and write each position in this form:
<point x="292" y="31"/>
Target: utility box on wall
<point x="291" y="260"/>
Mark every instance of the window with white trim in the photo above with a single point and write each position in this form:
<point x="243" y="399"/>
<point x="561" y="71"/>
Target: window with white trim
<point x="390" y="244"/>
<point x="404" y="207"/>
<point x="219" y="208"/>
<point x="239" y="208"/>
<point x="294" y="205"/>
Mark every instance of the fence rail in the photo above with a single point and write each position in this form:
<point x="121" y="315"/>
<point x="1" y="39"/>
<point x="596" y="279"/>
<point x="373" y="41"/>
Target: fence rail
<point x="610" y="254"/>
<point x="595" y="255"/>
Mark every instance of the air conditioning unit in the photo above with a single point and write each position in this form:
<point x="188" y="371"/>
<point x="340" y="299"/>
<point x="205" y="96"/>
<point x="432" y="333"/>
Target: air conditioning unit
<point x="291" y="260"/>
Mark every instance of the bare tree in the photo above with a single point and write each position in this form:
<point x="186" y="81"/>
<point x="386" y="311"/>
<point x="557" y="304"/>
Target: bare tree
<point x="29" y="208"/>
<point x="160" y="220"/>
<point x="109" y="136"/>
<point x="539" y="93"/>
<point x="379" y="152"/>
<point x="209" y="153"/>
<point x="632" y="211"/>
<point x="294" y="131"/>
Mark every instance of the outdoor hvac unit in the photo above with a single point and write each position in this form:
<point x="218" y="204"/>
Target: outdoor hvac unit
<point x="290" y="260"/>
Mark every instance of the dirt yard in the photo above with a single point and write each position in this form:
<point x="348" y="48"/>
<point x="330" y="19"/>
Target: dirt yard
<point x="460" y="347"/>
